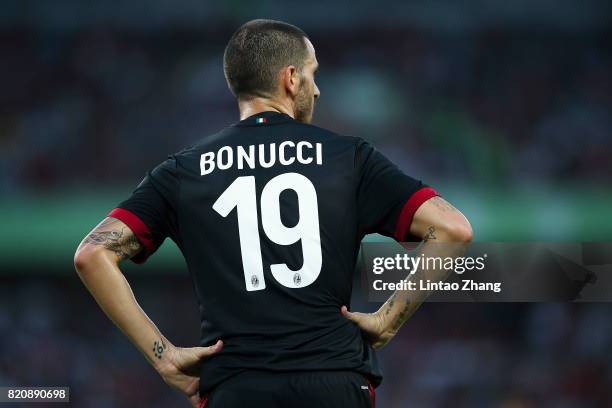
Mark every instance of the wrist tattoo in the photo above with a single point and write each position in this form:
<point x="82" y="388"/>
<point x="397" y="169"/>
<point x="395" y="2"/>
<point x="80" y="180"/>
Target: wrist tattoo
<point x="390" y="304"/>
<point x="401" y="318"/>
<point x="158" y="348"/>
<point x="389" y="307"/>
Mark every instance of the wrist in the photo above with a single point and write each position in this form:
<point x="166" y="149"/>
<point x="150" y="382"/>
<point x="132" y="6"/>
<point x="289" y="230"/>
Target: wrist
<point x="162" y="356"/>
<point x="383" y="316"/>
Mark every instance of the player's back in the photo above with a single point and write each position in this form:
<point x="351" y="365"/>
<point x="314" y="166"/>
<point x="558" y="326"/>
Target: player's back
<point x="268" y="224"/>
<point x="269" y="214"/>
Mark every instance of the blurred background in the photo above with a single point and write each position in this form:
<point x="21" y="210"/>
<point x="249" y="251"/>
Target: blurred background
<point x="504" y="107"/>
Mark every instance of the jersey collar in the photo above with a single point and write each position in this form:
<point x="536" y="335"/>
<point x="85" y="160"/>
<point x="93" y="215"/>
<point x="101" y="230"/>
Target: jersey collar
<point x="265" y="118"/>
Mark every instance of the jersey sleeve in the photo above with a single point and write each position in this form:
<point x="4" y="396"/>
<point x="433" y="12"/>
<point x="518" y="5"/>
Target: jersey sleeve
<point x="150" y="212"/>
<point x="386" y="197"/>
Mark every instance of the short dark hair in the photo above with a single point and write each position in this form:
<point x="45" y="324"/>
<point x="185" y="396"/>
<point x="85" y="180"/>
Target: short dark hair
<point x="257" y="51"/>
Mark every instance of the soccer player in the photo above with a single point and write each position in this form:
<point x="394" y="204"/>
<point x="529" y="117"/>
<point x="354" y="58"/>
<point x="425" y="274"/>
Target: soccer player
<point x="269" y="214"/>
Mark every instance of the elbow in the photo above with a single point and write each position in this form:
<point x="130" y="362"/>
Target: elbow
<point x="82" y="259"/>
<point x="460" y="231"/>
<point x="85" y="256"/>
<point x="463" y="232"/>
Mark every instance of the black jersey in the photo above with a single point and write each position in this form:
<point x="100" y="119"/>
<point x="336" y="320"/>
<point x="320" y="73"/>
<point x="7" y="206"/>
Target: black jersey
<point x="269" y="214"/>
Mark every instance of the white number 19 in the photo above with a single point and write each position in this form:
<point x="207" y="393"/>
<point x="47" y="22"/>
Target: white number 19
<point x="241" y="195"/>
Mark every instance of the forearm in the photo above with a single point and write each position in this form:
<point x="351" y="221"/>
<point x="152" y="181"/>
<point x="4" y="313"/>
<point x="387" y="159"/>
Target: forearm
<point x="402" y="304"/>
<point x="107" y="284"/>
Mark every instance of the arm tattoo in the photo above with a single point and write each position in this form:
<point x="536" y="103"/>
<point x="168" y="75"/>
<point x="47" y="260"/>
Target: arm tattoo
<point x="158" y="348"/>
<point x="430" y="234"/>
<point x="401" y="318"/>
<point x="112" y="235"/>
<point x="390" y="304"/>
<point x="409" y="305"/>
<point x="442" y="204"/>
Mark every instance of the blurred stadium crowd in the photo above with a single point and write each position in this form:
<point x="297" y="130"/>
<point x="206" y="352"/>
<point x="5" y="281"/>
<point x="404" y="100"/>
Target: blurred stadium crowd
<point x="94" y="106"/>
<point x="507" y="94"/>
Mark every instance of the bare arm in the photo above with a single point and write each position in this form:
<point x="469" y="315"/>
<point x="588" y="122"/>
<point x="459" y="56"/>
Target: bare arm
<point x="436" y="222"/>
<point x="97" y="263"/>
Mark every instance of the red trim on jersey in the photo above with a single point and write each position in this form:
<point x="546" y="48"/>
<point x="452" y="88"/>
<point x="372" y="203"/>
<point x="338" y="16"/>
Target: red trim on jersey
<point x="414" y="202"/>
<point x="203" y="401"/>
<point x="139" y="229"/>
<point x="372" y="393"/>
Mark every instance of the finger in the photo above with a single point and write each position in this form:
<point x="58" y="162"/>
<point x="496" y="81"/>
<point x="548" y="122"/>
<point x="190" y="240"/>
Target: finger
<point x="195" y="400"/>
<point x="204" y="352"/>
<point x="354" y="317"/>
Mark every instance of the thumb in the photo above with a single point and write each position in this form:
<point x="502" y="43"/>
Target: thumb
<point x="204" y="352"/>
<point x="352" y="316"/>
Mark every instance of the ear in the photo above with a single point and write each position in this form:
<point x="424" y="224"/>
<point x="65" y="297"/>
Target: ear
<point x="291" y="80"/>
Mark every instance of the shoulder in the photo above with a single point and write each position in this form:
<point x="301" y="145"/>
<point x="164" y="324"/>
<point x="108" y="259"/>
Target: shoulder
<point x="313" y="129"/>
<point x="334" y="140"/>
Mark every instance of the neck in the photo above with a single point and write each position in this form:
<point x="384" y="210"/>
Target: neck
<point x="257" y="105"/>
